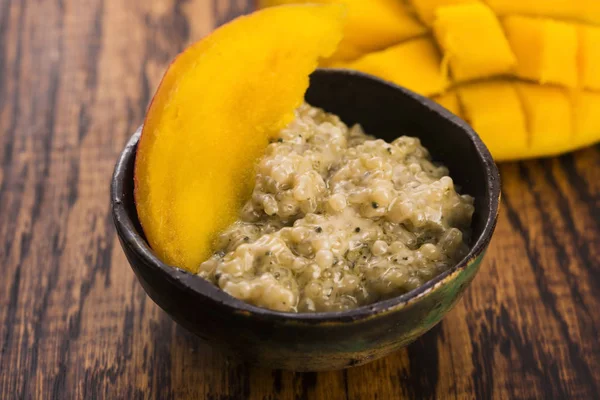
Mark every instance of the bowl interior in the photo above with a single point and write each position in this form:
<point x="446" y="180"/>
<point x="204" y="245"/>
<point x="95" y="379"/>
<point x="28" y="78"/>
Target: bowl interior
<point x="384" y="110"/>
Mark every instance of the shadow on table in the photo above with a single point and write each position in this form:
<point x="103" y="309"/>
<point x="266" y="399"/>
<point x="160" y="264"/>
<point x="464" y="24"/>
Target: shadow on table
<point x="197" y="369"/>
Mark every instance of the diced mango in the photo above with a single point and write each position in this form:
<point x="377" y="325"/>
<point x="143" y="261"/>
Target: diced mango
<point x="589" y="57"/>
<point x="425" y="9"/>
<point x="494" y="110"/>
<point x="582" y="10"/>
<point x="211" y="117"/>
<point x="473" y="41"/>
<point x="548" y="115"/>
<point x="546" y="50"/>
<point x="534" y="52"/>
<point x="345" y="53"/>
<point x="371" y="25"/>
<point x="416" y="65"/>
<point x="449" y="101"/>
<point x="586" y="118"/>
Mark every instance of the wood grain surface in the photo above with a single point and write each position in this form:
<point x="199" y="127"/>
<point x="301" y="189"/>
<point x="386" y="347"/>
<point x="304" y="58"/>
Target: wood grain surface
<point x="75" y="79"/>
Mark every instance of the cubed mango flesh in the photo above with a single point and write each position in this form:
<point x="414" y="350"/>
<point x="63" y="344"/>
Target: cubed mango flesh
<point x="549" y="117"/>
<point x="473" y="41"/>
<point x="211" y="118"/>
<point x="586" y="118"/>
<point x="589" y="57"/>
<point x="582" y="10"/>
<point x="494" y="110"/>
<point x="449" y="101"/>
<point x="425" y="9"/>
<point x="546" y="50"/>
<point x="371" y="25"/>
<point x="416" y="65"/>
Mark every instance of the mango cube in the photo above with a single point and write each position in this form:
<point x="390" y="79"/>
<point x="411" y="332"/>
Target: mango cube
<point x="425" y="9"/>
<point x="473" y="41"/>
<point x="589" y="57"/>
<point x="583" y="10"/>
<point x="449" y="101"/>
<point x="370" y="25"/>
<point x="494" y="110"/>
<point x="586" y="118"/>
<point x="416" y="65"/>
<point x="548" y="114"/>
<point x="546" y="50"/>
<point x="377" y="24"/>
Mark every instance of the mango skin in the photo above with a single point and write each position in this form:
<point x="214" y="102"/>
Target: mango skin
<point x="212" y="116"/>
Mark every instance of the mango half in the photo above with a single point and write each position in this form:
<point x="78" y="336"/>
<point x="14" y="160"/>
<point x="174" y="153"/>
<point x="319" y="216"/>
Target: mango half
<point x="211" y="118"/>
<point x="525" y="73"/>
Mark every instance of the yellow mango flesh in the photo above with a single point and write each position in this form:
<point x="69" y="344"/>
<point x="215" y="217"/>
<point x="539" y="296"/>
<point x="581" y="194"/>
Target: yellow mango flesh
<point x="426" y="9"/>
<point x="548" y="115"/>
<point x="211" y="118"/>
<point x="415" y="64"/>
<point x="582" y="10"/>
<point x="589" y="57"/>
<point x="494" y="110"/>
<point x="370" y="25"/>
<point x="449" y="101"/>
<point x="586" y="118"/>
<point x="546" y="50"/>
<point x="551" y="43"/>
<point x="518" y="120"/>
<point x="472" y="39"/>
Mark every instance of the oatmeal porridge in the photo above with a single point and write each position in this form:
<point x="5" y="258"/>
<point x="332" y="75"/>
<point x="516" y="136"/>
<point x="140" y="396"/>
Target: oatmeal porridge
<point x="339" y="219"/>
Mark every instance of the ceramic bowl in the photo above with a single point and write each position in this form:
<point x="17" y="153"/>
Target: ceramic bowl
<point x="328" y="340"/>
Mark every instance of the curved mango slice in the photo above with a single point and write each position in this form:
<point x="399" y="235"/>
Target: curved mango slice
<point x="371" y="25"/>
<point x="211" y="118"/>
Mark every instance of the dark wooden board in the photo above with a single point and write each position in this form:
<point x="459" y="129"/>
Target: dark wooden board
<point x="75" y="79"/>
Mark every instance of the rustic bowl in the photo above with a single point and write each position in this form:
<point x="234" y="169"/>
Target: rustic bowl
<point x="330" y="340"/>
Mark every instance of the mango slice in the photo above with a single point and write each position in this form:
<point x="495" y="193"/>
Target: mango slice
<point x="371" y="25"/>
<point x="217" y="105"/>
<point x="494" y="110"/>
<point x="548" y="114"/>
<point x="426" y="9"/>
<point x="589" y="57"/>
<point x="546" y="50"/>
<point x="416" y="64"/>
<point x="473" y="41"/>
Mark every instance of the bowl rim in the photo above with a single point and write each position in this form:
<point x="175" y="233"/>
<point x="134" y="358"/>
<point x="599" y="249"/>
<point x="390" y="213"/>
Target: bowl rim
<point x="187" y="281"/>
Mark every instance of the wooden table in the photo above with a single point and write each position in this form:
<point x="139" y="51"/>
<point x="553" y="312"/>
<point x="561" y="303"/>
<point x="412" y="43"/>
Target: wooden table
<point x="75" y="79"/>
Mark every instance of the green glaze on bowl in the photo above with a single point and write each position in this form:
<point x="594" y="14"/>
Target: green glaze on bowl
<point x="330" y="340"/>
